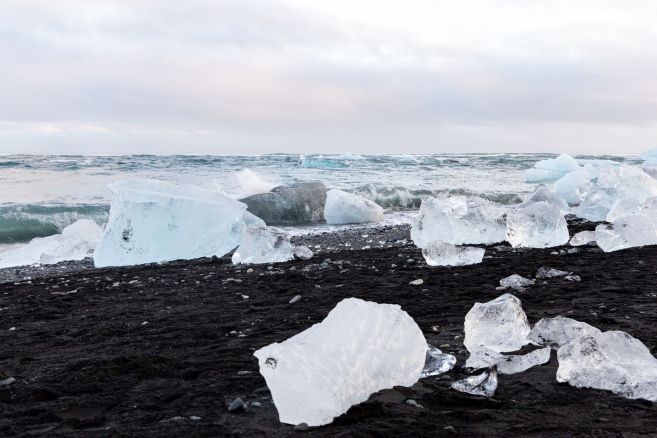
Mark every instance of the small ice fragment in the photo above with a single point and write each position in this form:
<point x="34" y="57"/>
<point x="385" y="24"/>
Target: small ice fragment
<point x="437" y="362"/>
<point x="195" y="418"/>
<point x="439" y="253"/>
<point x="8" y="381"/>
<point x="263" y="245"/>
<point x="295" y="299"/>
<point x="545" y="272"/>
<point x="507" y="363"/>
<point x="303" y="252"/>
<point x="558" y="331"/>
<point x="614" y="361"/>
<point x="499" y="325"/>
<point x="483" y="384"/>
<point x="417" y="282"/>
<point x="347" y="208"/>
<point x="583" y="238"/>
<point x="516" y="282"/>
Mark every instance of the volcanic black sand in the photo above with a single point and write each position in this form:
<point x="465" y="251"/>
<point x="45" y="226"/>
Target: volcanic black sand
<point x="160" y="350"/>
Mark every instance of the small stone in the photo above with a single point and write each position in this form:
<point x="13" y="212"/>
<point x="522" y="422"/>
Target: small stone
<point x="237" y="405"/>
<point x="8" y="381"/>
<point x="450" y="429"/>
<point x="412" y="402"/>
<point x="295" y="299"/>
<point x="417" y="282"/>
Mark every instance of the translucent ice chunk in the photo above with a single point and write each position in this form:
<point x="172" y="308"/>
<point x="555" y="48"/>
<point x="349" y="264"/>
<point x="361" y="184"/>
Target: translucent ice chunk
<point x="360" y="348"/>
<point x="572" y="185"/>
<point x="551" y="169"/>
<point x="154" y="221"/>
<point x="347" y="208"/>
<point x="583" y="238"/>
<point x="543" y="194"/>
<point x="303" y="252"/>
<point x="545" y="272"/>
<point x="458" y="220"/>
<point x="538" y="225"/>
<point x="483" y="384"/>
<point x="613" y="360"/>
<point x="76" y="242"/>
<point x="624" y="207"/>
<point x="508" y="363"/>
<point x="437" y="362"/>
<point x="289" y="205"/>
<point x="558" y="331"/>
<point x="516" y="282"/>
<point x="263" y="245"/>
<point x="627" y="232"/>
<point x="439" y="253"/>
<point x="499" y="325"/>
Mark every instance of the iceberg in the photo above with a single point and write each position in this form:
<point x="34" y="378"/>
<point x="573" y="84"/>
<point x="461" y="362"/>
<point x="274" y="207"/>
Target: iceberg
<point x="516" y="282"/>
<point x="436" y="362"/>
<point x="347" y="208"/>
<point x="439" y="253"/>
<point x="458" y="220"/>
<point x="537" y="225"/>
<point x="613" y="361"/>
<point x="76" y="242"/>
<point x="263" y="245"/>
<point x="155" y="221"/>
<point x="289" y="205"/>
<point x="360" y="348"/>
<point x="583" y="238"/>
<point x="552" y="169"/>
<point x="508" y="363"/>
<point x="483" y="384"/>
<point x="499" y="325"/>
<point x="558" y="331"/>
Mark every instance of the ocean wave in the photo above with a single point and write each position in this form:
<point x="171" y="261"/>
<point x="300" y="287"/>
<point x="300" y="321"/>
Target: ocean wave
<point x="21" y="223"/>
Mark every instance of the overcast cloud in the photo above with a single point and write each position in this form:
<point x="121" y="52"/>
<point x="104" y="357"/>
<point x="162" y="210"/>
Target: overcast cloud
<point x="244" y="76"/>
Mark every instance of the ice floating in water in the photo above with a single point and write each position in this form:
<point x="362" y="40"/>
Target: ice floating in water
<point x="558" y="331"/>
<point x="303" y="252"/>
<point x="516" y="282"/>
<point x="583" y="238"/>
<point x="627" y="232"/>
<point x="439" y="253"/>
<point x="360" y="348"/>
<point x="537" y="225"/>
<point x="458" y="220"/>
<point x="154" y="221"/>
<point x="551" y="169"/>
<point x="263" y="245"/>
<point x="508" y="363"/>
<point x="545" y="272"/>
<point x="483" y="384"/>
<point x="347" y="208"/>
<point x="614" y="361"/>
<point x="321" y="162"/>
<point x="289" y="205"/>
<point x="499" y="325"/>
<point x="76" y="242"/>
<point x="436" y="362"/>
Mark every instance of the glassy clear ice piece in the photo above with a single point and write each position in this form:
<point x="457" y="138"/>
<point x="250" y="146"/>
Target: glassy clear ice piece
<point x="537" y="225"/>
<point x="439" y="253"/>
<point x="436" y="362"/>
<point x="483" y="384"/>
<point x="558" y="331"/>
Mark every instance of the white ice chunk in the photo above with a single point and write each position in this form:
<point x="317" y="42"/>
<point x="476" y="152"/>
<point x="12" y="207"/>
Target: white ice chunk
<point x="558" y="331"/>
<point x="459" y="220"/>
<point x="551" y="169"/>
<point x="303" y="252"/>
<point x="483" y="384"/>
<point x="154" y="221"/>
<point x="543" y="194"/>
<point x="499" y="325"/>
<point x="439" y="253"/>
<point x="627" y="232"/>
<point x="546" y="272"/>
<point x="583" y="238"/>
<point x="537" y="225"/>
<point x="516" y="282"/>
<point x="436" y="362"/>
<point x="76" y="242"/>
<point x="614" y="361"/>
<point x="572" y="185"/>
<point x="508" y="363"/>
<point x="347" y="208"/>
<point x="263" y="245"/>
<point x="360" y="348"/>
<point x="595" y="205"/>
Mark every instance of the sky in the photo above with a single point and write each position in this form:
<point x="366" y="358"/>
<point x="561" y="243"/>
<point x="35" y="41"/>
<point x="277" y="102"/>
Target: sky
<point x="362" y="76"/>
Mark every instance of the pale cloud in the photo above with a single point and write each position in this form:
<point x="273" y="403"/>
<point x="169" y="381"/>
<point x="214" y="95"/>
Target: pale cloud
<point x="244" y="76"/>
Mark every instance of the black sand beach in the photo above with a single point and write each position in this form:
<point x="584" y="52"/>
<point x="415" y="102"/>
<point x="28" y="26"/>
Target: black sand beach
<point x="160" y="350"/>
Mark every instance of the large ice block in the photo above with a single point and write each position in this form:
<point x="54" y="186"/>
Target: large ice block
<point x="360" y="348"/>
<point x="613" y="361"/>
<point x="263" y="245"/>
<point x="347" y="208"/>
<point x="551" y="169"/>
<point x="289" y="205"/>
<point x="437" y="362"/>
<point x="154" y="221"/>
<point x="439" y="253"/>
<point x="499" y="325"/>
<point x="76" y="242"/>
<point x="459" y="220"/>
<point x="516" y="282"/>
<point x="627" y="232"/>
<point x="558" y="331"/>
<point x="537" y="225"/>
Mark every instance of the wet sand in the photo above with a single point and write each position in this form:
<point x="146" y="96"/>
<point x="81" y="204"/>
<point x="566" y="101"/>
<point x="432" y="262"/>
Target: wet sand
<point x="160" y="350"/>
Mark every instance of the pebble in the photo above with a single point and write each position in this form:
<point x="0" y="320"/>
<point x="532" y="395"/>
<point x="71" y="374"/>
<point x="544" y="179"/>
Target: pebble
<point x="295" y="299"/>
<point x="236" y="405"/>
<point x="443" y="346"/>
<point x="417" y="282"/>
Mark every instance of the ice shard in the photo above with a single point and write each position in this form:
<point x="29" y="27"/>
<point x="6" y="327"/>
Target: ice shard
<point x="537" y="225"/>
<point x="546" y="272"/>
<point x="263" y="245"/>
<point x="444" y="254"/>
<point x="483" y="384"/>
<point x="437" y="362"/>
<point x="358" y="349"/>
<point x="558" y="331"/>
<point x="583" y="238"/>
<point x="347" y="208"/>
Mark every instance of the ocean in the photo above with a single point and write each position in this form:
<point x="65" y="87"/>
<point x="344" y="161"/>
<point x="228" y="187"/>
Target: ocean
<point x="40" y="195"/>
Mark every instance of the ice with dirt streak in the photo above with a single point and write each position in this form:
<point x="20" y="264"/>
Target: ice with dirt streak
<point x="436" y="362"/>
<point x="263" y="244"/>
<point x="155" y="221"/>
<point x="537" y="225"/>
<point x="459" y="220"/>
<point x="551" y="169"/>
<point x="439" y="253"/>
<point x="627" y="232"/>
<point x="347" y="208"/>
<point x="360" y="348"/>
<point x="75" y="242"/>
<point x="613" y="361"/>
<point x="558" y="331"/>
